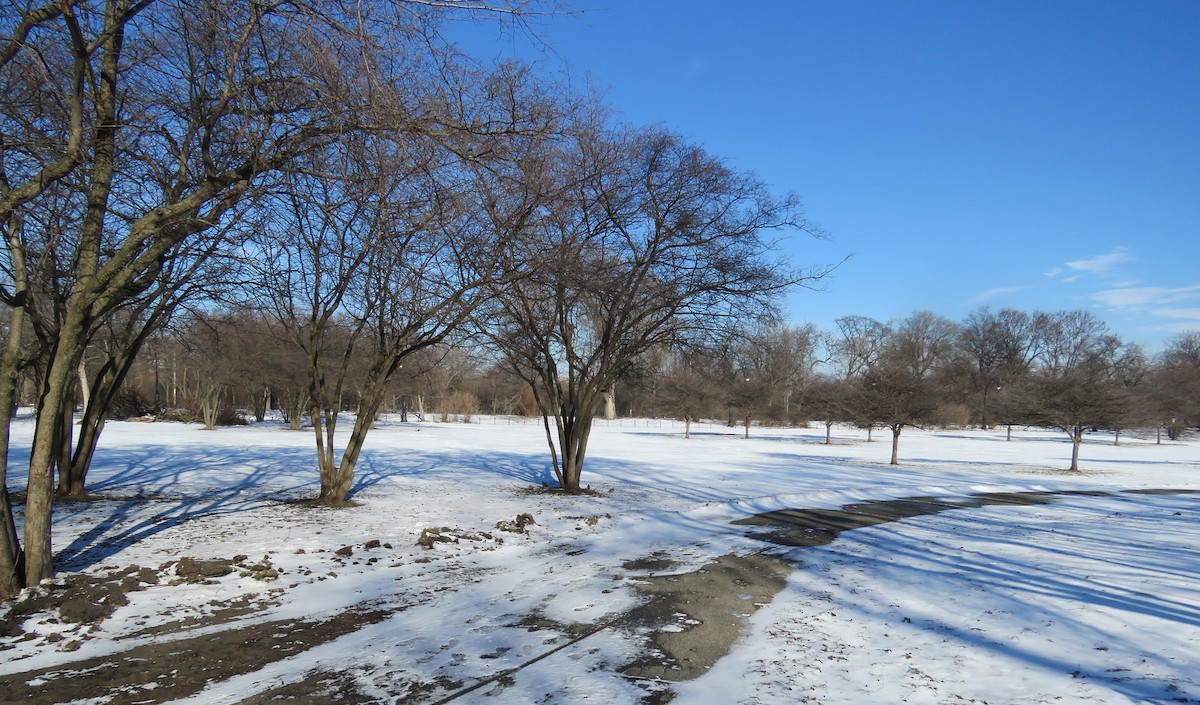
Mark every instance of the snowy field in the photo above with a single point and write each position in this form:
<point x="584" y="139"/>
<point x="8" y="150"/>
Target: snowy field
<point x="1090" y="597"/>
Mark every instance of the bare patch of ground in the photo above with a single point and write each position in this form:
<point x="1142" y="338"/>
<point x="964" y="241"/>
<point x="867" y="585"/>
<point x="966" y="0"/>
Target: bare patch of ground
<point x="156" y="673"/>
<point x="694" y="618"/>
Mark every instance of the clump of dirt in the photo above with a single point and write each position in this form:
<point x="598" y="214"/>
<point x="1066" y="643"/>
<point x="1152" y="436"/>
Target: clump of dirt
<point x="78" y="599"/>
<point x="432" y="536"/>
<point x="517" y="526"/>
<point x="193" y="570"/>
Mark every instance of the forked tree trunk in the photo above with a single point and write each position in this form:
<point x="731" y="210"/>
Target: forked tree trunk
<point x="687" y="426"/>
<point x="573" y="436"/>
<point x="341" y="479"/>
<point x="210" y="406"/>
<point x="828" y="433"/>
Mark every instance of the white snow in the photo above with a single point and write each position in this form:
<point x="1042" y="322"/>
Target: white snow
<point x="1087" y="599"/>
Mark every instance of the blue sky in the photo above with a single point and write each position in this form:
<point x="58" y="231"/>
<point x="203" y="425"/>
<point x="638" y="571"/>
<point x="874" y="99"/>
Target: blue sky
<point x="1035" y="155"/>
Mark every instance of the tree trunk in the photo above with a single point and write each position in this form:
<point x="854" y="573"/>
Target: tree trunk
<point x="85" y="390"/>
<point x="65" y="438"/>
<point x="55" y="395"/>
<point x="11" y="564"/>
<point x="342" y="479"/>
<point x="687" y="426"/>
<point x="896" y="429"/>
<point x="261" y="403"/>
<point x="1009" y="436"/>
<point x="324" y="423"/>
<point x="828" y="433"/>
<point x="573" y="437"/>
<point x="747" y="426"/>
<point x="210" y="406"/>
<point x="610" y="402"/>
<point x="554" y="464"/>
<point x="1117" y="437"/>
<point x="869" y="430"/>
<point x="1076" y="441"/>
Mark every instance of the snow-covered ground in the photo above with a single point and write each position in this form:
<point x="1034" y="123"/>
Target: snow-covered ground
<point x="1093" y="597"/>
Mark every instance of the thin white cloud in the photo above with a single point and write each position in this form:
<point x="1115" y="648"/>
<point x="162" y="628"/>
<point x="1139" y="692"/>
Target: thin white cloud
<point x="996" y="293"/>
<point x="1182" y="319"/>
<point x="1101" y="264"/>
<point x="1140" y="296"/>
<point x="1054" y="272"/>
<point x="1184" y="313"/>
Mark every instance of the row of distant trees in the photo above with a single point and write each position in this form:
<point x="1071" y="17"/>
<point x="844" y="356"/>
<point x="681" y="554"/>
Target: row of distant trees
<point x="1061" y="369"/>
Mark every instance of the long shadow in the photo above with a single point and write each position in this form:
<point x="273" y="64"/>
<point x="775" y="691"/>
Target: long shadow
<point x="377" y="468"/>
<point x="816" y="527"/>
<point x="185" y="483"/>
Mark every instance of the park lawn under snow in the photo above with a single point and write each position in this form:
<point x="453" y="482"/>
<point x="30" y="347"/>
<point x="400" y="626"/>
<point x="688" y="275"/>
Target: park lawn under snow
<point x="1093" y="598"/>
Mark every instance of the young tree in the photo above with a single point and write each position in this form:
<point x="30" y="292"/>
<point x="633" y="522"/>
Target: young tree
<point x="902" y="387"/>
<point x="649" y="242"/>
<point x="1074" y="383"/>
<point x="691" y="387"/>
<point x="998" y="347"/>
<point x="1175" y="381"/>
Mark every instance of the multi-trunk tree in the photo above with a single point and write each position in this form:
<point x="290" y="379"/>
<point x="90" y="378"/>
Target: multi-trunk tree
<point x="648" y="242"/>
<point x="161" y="117"/>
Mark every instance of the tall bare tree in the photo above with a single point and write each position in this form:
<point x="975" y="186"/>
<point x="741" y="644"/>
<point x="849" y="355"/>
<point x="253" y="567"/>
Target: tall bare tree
<point x="650" y="241"/>
<point x="1176" y="384"/>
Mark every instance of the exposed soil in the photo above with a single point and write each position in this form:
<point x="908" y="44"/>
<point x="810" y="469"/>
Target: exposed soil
<point x="156" y="673"/>
<point x="694" y="618"/>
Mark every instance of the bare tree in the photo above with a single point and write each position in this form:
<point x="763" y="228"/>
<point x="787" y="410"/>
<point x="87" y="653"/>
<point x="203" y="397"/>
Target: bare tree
<point x="1074" y="382"/>
<point x="691" y="387"/>
<point x="389" y="249"/>
<point x="1176" y="384"/>
<point x="998" y="347"/>
<point x="649" y="242"/>
<point x="902" y="388"/>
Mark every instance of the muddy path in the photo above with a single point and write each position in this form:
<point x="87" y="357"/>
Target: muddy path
<point x="818" y="527"/>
